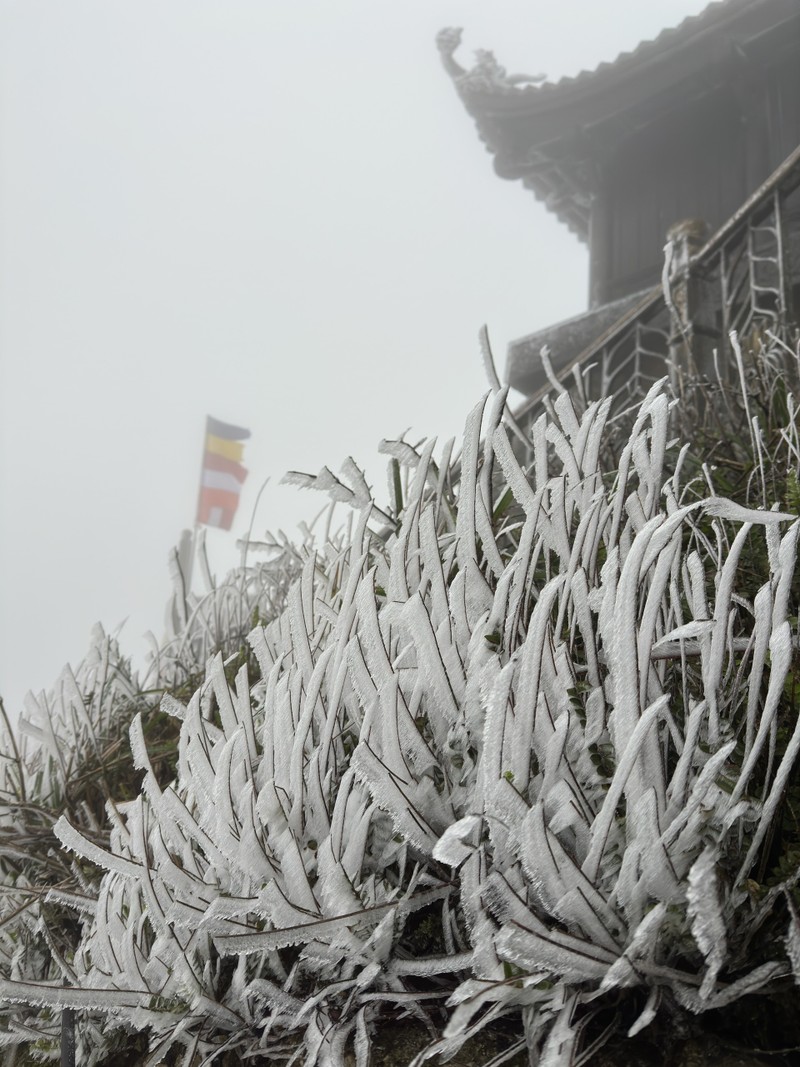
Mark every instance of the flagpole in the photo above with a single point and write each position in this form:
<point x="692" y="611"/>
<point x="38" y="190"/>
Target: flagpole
<point x="196" y="525"/>
<point x="190" y="563"/>
<point x="200" y="479"/>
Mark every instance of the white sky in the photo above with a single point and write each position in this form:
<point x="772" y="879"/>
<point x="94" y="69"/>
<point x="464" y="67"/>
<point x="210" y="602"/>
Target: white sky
<point x="274" y="211"/>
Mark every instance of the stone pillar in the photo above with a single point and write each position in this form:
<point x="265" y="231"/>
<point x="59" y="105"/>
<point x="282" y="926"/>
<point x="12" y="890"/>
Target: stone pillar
<point x="599" y="251"/>
<point x="691" y="330"/>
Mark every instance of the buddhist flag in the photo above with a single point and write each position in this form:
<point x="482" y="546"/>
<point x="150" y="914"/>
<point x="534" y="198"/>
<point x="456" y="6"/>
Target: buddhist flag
<point x="222" y="474"/>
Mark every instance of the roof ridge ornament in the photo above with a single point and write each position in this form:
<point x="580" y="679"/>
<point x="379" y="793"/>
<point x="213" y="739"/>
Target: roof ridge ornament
<point x="487" y="74"/>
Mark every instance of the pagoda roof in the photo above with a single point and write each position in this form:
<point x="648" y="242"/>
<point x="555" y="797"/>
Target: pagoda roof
<point x="554" y="136"/>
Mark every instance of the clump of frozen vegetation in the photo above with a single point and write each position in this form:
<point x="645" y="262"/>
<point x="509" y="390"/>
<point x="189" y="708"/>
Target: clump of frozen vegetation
<point x="517" y="746"/>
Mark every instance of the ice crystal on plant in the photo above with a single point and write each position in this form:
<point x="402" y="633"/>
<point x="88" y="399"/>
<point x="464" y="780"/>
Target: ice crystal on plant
<point x="499" y="738"/>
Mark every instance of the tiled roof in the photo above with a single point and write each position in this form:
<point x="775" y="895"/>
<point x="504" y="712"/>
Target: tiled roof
<point x="711" y="16"/>
<point x="543" y="132"/>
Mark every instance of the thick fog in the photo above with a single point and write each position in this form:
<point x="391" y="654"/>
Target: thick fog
<point x="276" y="213"/>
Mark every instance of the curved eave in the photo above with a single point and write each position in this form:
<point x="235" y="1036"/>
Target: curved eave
<point x="551" y="136"/>
<point x="557" y="189"/>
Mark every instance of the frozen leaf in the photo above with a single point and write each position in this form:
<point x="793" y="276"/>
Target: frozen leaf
<point x="458" y="841"/>
<point x="722" y="508"/>
<point x="793" y="939"/>
<point x="706" y="917"/>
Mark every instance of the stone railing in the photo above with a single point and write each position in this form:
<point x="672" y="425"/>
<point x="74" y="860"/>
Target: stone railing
<point x="744" y="278"/>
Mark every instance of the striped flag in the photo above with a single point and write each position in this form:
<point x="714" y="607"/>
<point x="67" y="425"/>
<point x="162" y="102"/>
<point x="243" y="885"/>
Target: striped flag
<point x="222" y="474"/>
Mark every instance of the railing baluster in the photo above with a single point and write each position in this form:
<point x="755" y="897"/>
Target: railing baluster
<point x="783" y="302"/>
<point x="744" y="264"/>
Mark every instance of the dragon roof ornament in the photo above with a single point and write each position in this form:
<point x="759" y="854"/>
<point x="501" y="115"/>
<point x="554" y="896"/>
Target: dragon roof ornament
<point x="487" y="75"/>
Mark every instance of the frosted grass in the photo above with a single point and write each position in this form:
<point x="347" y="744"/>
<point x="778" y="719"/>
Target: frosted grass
<point x="529" y="708"/>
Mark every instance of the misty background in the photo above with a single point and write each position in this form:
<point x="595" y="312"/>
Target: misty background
<point x="277" y="213"/>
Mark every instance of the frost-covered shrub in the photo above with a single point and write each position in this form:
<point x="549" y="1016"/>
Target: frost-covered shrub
<point x="70" y="753"/>
<point x="218" y="619"/>
<point x="515" y="747"/>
